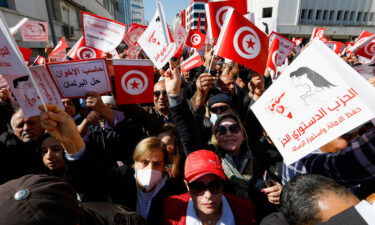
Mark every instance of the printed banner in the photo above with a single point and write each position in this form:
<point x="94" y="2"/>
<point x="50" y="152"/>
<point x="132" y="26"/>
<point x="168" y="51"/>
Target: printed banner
<point x="36" y="31"/>
<point x="26" y="94"/>
<point x="134" y="81"/>
<point x="318" y="98"/>
<point x="285" y="48"/>
<point x="102" y="33"/>
<point x="75" y="78"/>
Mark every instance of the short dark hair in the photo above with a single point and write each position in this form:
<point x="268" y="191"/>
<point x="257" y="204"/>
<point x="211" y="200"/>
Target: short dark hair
<point x="299" y="197"/>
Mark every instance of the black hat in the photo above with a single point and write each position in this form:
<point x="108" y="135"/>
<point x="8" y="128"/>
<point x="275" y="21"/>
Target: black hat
<point x="221" y="97"/>
<point x="38" y="200"/>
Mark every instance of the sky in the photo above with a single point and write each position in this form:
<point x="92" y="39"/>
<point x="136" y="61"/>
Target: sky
<point x="171" y="8"/>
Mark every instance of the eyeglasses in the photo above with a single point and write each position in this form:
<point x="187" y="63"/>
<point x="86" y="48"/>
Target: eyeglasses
<point x="223" y="108"/>
<point x="158" y="93"/>
<point x="234" y="129"/>
<point x="199" y="188"/>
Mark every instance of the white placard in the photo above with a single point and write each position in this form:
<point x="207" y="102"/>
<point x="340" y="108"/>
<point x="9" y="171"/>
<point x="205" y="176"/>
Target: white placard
<point x="75" y="78"/>
<point x="102" y="33"/>
<point x="316" y="99"/>
<point x="285" y="48"/>
<point x="36" y="31"/>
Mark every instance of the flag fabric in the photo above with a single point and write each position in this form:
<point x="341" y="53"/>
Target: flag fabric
<point x="242" y="42"/>
<point x="59" y="51"/>
<point x="80" y="51"/>
<point x="40" y="60"/>
<point x="134" y="80"/>
<point x="324" y="39"/>
<point x="365" y="45"/>
<point x="242" y="5"/>
<point x="336" y="46"/>
<point x="272" y="57"/>
<point x="297" y="41"/>
<point x="131" y="37"/>
<point x="215" y="15"/>
<point x="179" y="36"/>
<point x="134" y="26"/>
<point x="317" y="33"/>
<point x="195" y="39"/>
<point x="156" y="41"/>
<point x="192" y="62"/>
<point x="26" y="54"/>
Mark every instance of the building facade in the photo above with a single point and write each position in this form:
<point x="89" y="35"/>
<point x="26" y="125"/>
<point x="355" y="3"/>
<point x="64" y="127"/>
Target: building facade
<point x="137" y="12"/>
<point x="66" y="17"/>
<point x="123" y="11"/>
<point x="194" y="11"/>
<point x="343" y="19"/>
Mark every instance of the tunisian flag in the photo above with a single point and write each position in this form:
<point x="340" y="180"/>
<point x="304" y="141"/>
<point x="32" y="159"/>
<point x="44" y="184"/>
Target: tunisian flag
<point x="242" y="42"/>
<point x="59" y="51"/>
<point x="192" y="62"/>
<point x="365" y="45"/>
<point x="272" y="56"/>
<point x="216" y="13"/>
<point x="195" y="39"/>
<point x="80" y="51"/>
<point x="297" y="41"/>
<point x="336" y="46"/>
<point x="134" y="79"/>
<point x="40" y="60"/>
<point x="317" y="33"/>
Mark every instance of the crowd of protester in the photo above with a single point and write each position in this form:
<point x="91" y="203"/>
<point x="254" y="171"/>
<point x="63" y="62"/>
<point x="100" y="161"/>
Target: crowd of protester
<point x="197" y="155"/>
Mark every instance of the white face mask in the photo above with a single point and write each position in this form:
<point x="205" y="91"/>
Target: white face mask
<point x="213" y="118"/>
<point x="148" y="178"/>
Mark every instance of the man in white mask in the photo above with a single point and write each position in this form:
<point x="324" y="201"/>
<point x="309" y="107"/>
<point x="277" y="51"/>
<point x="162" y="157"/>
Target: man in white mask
<point x="206" y="203"/>
<point x="219" y="104"/>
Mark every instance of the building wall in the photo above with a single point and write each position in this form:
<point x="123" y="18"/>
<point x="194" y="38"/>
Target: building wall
<point x="137" y="12"/>
<point x="195" y="9"/>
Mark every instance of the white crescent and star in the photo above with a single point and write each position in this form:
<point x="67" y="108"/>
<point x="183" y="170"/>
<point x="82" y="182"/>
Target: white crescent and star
<point x="246" y="45"/>
<point x="195" y="39"/>
<point x="86" y="53"/>
<point x="221" y="14"/>
<point x="134" y="82"/>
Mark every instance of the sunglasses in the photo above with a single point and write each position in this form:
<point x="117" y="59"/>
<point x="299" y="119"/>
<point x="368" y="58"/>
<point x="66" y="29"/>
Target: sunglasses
<point x="223" y="108"/>
<point x="158" y="93"/>
<point x="234" y="129"/>
<point x="199" y="188"/>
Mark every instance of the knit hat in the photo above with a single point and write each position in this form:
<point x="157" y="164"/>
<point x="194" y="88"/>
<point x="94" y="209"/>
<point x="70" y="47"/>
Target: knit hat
<point x="221" y="97"/>
<point x="38" y="200"/>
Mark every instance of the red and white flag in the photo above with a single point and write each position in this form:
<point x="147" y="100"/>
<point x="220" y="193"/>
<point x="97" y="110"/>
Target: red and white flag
<point x="131" y="37"/>
<point x="242" y="42"/>
<point x="365" y="45"/>
<point x="102" y="33"/>
<point x="156" y="41"/>
<point x="59" y="51"/>
<point x="272" y="57"/>
<point x="297" y="41"/>
<point x="40" y="60"/>
<point x="26" y="54"/>
<point x="80" y="51"/>
<point x="336" y="46"/>
<point x="179" y="36"/>
<point x="215" y="15"/>
<point x="134" y="81"/>
<point x="134" y="26"/>
<point x="285" y="47"/>
<point x="317" y="33"/>
<point x="325" y="39"/>
<point x="192" y="62"/>
<point x="195" y="39"/>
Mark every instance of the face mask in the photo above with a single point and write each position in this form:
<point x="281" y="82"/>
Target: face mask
<point x="213" y="118"/>
<point x="148" y="178"/>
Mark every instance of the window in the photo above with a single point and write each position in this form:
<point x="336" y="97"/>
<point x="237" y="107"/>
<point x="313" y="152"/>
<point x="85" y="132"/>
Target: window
<point x="136" y="20"/>
<point x="303" y="14"/>
<point x="318" y="14"/>
<point x="4" y="3"/>
<point x="331" y="13"/>
<point x="136" y="6"/>
<point x="365" y="17"/>
<point x="339" y="15"/>
<point x="372" y="16"/>
<point x="309" y="15"/>
<point x="267" y="12"/>
<point x="346" y="15"/>
<point x="325" y="15"/>
<point x="198" y="6"/>
<point x="352" y="16"/>
<point x="106" y="4"/>
<point x="359" y="16"/>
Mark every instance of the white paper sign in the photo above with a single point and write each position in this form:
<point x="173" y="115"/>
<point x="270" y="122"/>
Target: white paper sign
<point x="102" y="33"/>
<point x="75" y="78"/>
<point x="316" y="99"/>
<point x="11" y="61"/>
<point x="26" y="94"/>
<point x="3" y="82"/>
<point x="36" y="31"/>
<point x="155" y="41"/>
<point x="286" y="47"/>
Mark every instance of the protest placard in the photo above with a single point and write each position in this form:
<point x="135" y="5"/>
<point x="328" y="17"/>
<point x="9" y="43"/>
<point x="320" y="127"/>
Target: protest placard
<point x="155" y="41"/>
<point x="75" y="78"/>
<point x="26" y="93"/>
<point x="36" y="31"/>
<point x="317" y="98"/>
<point x="11" y="61"/>
<point x="3" y="82"/>
<point x="102" y="33"/>
<point x="285" y="48"/>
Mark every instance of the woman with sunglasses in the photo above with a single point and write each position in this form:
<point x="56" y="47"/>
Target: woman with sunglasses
<point x="206" y="203"/>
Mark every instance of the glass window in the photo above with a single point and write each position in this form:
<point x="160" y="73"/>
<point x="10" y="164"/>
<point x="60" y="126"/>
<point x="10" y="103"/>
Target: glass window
<point x="325" y="15"/>
<point x="309" y="15"/>
<point x="331" y="13"/>
<point x="267" y="12"/>
<point x="352" y="16"/>
<point x="303" y="14"/>
<point x="198" y="6"/>
<point x="339" y="15"/>
<point x="136" y="6"/>
<point x="371" y="16"/>
<point x="318" y="14"/>
<point x="365" y="17"/>
<point x="4" y="3"/>
<point x="359" y="16"/>
<point x="346" y="15"/>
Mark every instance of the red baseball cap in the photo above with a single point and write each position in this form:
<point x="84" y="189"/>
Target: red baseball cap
<point x="202" y="162"/>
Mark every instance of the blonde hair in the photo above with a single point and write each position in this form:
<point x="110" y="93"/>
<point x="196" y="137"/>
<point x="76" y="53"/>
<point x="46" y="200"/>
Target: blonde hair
<point x="147" y="146"/>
